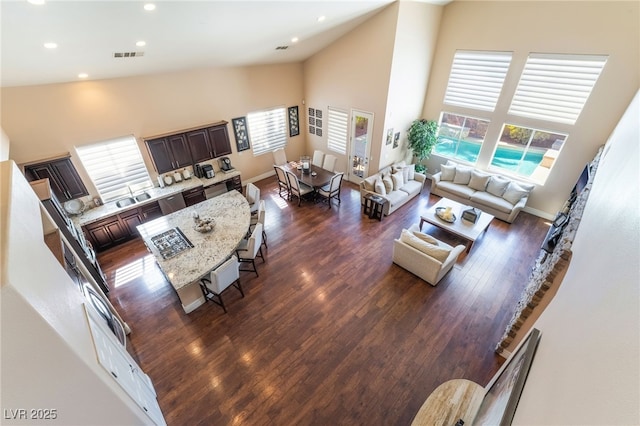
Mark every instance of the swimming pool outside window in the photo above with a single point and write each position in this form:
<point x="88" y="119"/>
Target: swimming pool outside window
<point x="460" y="137"/>
<point x="527" y="152"/>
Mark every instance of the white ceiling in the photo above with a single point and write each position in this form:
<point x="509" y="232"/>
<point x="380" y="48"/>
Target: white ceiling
<point x="178" y="34"/>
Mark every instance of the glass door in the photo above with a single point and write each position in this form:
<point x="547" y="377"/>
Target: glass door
<point x="360" y="149"/>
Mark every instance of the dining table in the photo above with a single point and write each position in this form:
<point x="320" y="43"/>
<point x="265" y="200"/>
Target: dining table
<point x="316" y="178"/>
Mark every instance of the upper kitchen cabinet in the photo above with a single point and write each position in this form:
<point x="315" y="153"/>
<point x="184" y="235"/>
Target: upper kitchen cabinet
<point x="63" y="177"/>
<point x="219" y="138"/>
<point x="169" y="153"/>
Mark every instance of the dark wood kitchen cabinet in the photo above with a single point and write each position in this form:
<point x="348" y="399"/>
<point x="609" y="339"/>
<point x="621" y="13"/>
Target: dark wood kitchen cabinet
<point x="106" y="233"/>
<point x="150" y="211"/>
<point x="63" y="178"/>
<point x="219" y="137"/>
<point x="209" y="142"/>
<point x="193" y="196"/>
<point x="169" y="153"/>
<point x="130" y="219"/>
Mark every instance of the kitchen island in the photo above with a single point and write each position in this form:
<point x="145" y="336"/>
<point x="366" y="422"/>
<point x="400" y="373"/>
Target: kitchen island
<point x="186" y="255"/>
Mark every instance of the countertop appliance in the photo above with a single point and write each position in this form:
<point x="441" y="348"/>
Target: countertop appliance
<point x="225" y="165"/>
<point x="207" y="171"/>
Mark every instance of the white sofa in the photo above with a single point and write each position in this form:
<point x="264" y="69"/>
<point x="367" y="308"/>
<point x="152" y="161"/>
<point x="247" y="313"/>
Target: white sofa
<point x="497" y="195"/>
<point x="397" y="184"/>
<point x="426" y="257"/>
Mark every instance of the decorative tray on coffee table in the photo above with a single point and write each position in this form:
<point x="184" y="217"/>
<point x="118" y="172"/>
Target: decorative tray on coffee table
<point x="440" y="213"/>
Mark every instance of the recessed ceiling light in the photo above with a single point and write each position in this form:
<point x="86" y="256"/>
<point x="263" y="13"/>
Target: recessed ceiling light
<point x="36" y="2"/>
<point x="83" y="75"/>
<point x="294" y="40"/>
<point x="149" y="6"/>
<point x="51" y="45"/>
<point x="141" y="43"/>
<point x="321" y="18"/>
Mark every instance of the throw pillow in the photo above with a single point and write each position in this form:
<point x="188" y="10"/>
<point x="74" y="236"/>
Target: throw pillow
<point x="398" y="181"/>
<point x="438" y="253"/>
<point x="497" y="185"/>
<point x="463" y="175"/>
<point x="448" y="172"/>
<point x="411" y="172"/>
<point x="370" y="182"/>
<point x="405" y="174"/>
<point x="479" y="180"/>
<point x="514" y="193"/>
<point x="426" y="237"/>
<point x="379" y="187"/>
<point x="388" y="183"/>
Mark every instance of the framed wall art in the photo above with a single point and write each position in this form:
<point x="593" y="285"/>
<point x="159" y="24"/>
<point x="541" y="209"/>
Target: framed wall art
<point x="396" y="139"/>
<point x="294" y="121"/>
<point x="241" y="133"/>
<point x="389" y="136"/>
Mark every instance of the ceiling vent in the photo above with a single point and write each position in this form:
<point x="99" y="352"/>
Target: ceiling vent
<point x="128" y="54"/>
<point x="282" y="47"/>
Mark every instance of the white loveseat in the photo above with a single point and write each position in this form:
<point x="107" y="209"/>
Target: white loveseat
<point x="423" y="255"/>
<point x="397" y="184"/>
<point x="497" y="195"/>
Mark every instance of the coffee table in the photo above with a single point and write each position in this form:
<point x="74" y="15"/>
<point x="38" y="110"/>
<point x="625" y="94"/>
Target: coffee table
<point x="462" y="228"/>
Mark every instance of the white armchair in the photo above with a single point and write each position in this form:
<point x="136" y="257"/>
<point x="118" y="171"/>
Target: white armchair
<point x="429" y="261"/>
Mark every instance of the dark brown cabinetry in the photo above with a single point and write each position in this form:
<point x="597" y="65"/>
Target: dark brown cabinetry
<point x="116" y="229"/>
<point x="192" y="146"/>
<point x="63" y="178"/>
<point x="234" y="183"/>
<point x="194" y="196"/>
<point x="169" y="153"/>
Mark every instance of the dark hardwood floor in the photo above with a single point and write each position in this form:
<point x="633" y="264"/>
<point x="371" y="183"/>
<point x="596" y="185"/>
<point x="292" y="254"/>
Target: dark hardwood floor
<point x="331" y="332"/>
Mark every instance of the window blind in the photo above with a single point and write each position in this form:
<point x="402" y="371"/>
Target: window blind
<point x="113" y="166"/>
<point x="476" y="79"/>
<point x="337" y="130"/>
<point x="267" y="130"/>
<point x="556" y="87"/>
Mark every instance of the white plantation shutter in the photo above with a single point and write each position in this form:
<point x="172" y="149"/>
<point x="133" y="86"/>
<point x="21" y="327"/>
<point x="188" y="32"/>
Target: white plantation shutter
<point x="556" y="87"/>
<point x="267" y="130"/>
<point x="337" y="130"/>
<point x="476" y="79"/>
<point x="114" y="164"/>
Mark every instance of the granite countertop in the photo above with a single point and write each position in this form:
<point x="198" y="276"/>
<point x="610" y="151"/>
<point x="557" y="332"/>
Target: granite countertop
<point x="231" y="214"/>
<point x="156" y="193"/>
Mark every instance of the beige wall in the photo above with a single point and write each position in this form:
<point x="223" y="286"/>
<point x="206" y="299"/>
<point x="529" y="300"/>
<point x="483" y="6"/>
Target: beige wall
<point x="4" y="145"/>
<point x="44" y="121"/>
<point x="609" y="28"/>
<point x="586" y="368"/>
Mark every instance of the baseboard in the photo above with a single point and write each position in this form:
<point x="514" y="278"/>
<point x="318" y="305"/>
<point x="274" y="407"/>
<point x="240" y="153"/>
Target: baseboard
<point x="259" y="177"/>
<point x="538" y="213"/>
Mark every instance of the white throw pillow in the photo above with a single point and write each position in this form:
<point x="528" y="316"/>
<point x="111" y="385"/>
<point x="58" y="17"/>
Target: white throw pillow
<point x="379" y="187"/>
<point x="497" y="185"/>
<point x="370" y="182"/>
<point x="388" y="183"/>
<point x="438" y="253"/>
<point x="479" y="180"/>
<point x="426" y="237"/>
<point x="463" y="175"/>
<point x="405" y="174"/>
<point x="514" y="193"/>
<point x="411" y="172"/>
<point x="448" y="172"/>
<point x="398" y="181"/>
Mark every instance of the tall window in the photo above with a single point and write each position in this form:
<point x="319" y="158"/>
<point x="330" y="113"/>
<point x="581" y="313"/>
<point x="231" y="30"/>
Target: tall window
<point x="460" y="137"/>
<point x="556" y="87"/>
<point x="337" y="130"/>
<point x="476" y="79"/>
<point x="268" y="130"/>
<point x="527" y="152"/>
<point x="115" y="166"/>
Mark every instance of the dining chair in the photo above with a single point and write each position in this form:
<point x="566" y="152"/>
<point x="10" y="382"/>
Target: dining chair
<point x="332" y="189"/>
<point x="296" y="188"/>
<point x="259" y="218"/>
<point x="253" y="196"/>
<point x="279" y="157"/>
<point x="251" y="247"/>
<point x="329" y="162"/>
<point x="220" y="279"/>
<point x="318" y="158"/>
<point x="283" y="183"/>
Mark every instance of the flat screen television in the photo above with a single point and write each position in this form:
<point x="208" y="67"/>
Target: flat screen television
<point x="582" y="181"/>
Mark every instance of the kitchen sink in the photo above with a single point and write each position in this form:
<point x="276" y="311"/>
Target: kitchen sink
<point x="143" y="196"/>
<point x="125" y="202"/>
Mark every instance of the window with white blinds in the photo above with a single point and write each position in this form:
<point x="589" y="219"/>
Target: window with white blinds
<point x="114" y="166"/>
<point x="556" y="87"/>
<point x="337" y="130"/>
<point x="267" y="130"/>
<point x="476" y="79"/>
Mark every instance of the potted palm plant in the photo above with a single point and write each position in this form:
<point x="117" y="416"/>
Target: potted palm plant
<point x="422" y="137"/>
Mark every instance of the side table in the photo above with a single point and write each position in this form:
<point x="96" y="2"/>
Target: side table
<point x="373" y="206"/>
